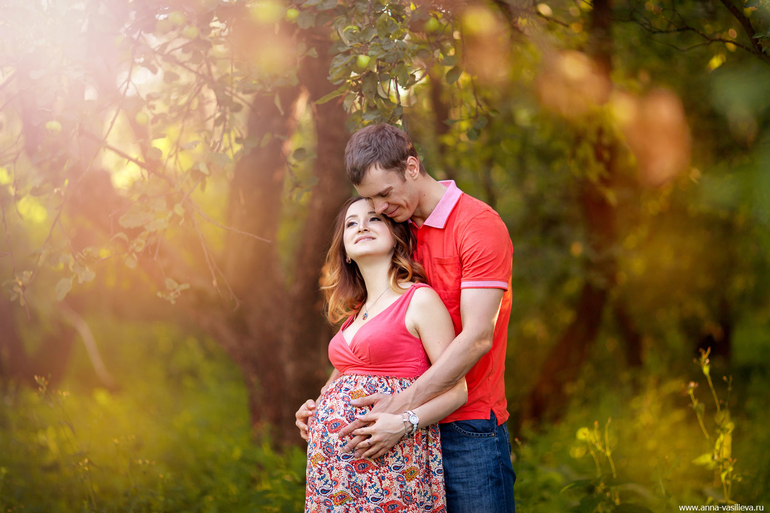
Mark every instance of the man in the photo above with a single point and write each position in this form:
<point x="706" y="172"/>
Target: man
<point x="467" y="254"/>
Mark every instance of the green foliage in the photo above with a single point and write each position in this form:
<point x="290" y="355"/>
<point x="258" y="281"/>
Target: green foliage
<point x="381" y="51"/>
<point x="167" y="119"/>
<point x="180" y="414"/>
<point x="720" y="458"/>
<point x="176" y="437"/>
<point x="652" y="445"/>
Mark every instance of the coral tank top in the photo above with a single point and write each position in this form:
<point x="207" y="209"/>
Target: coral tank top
<point x="382" y="346"/>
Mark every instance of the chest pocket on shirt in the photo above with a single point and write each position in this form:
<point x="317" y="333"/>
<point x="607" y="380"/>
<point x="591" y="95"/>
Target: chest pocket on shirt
<point x="445" y="280"/>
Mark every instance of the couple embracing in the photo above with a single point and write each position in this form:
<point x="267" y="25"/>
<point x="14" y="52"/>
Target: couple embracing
<point x="413" y="417"/>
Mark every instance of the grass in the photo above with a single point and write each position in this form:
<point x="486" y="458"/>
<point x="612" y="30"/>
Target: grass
<point x="176" y="437"/>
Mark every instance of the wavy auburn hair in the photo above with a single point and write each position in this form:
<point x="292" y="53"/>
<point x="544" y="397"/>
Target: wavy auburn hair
<point x="342" y="282"/>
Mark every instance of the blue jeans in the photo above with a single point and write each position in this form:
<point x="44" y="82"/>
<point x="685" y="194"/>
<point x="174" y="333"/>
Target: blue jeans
<point x="477" y="466"/>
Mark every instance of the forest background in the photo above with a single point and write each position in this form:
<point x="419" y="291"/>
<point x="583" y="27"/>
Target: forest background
<point x="169" y="171"/>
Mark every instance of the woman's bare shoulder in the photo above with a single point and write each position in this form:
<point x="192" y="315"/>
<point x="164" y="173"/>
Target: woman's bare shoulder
<point x="426" y="298"/>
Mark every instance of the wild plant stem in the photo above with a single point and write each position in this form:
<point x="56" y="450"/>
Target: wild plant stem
<point x="596" y="462"/>
<point x="713" y="392"/>
<point x="608" y="452"/>
<point x="697" y="414"/>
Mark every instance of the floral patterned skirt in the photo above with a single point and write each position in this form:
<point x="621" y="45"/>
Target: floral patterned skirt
<point x="409" y="478"/>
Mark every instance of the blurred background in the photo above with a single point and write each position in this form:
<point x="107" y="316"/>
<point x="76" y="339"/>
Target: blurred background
<point x="169" y="172"/>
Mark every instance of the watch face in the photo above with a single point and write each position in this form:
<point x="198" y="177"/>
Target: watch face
<point x="414" y="419"/>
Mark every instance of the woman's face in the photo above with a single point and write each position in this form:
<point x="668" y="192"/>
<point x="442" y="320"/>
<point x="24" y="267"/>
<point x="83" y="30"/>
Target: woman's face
<point x="366" y="233"/>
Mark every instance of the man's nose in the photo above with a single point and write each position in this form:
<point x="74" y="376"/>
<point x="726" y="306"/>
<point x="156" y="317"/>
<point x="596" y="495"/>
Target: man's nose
<point x="380" y="206"/>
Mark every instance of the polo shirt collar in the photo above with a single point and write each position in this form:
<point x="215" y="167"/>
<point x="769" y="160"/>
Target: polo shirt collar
<point x="447" y="203"/>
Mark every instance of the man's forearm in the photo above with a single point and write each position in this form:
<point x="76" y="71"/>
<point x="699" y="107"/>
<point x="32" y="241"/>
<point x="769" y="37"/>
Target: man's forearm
<point x="453" y="364"/>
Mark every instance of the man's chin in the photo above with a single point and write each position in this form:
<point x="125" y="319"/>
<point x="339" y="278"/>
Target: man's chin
<point x="398" y="216"/>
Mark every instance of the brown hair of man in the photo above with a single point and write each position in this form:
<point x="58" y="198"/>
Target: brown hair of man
<point x="342" y="282"/>
<point x="383" y="146"/>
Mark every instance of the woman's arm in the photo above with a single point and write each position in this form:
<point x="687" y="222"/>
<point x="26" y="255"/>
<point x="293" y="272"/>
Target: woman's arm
<point x="427" y="318"/>
<point x="308" y="407"/>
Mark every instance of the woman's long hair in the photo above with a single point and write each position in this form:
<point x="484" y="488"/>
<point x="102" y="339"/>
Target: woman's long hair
<point x="342" y="282"/>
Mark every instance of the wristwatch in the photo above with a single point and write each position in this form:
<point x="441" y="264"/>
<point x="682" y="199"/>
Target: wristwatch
<point x="413" y="419"/>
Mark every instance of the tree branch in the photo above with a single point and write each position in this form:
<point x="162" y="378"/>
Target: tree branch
<point x="682" y="26"/>
<point x="746" y="24"/>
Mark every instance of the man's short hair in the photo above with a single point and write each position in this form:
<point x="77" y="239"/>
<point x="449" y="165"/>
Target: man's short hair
<point x="384" y="146"/>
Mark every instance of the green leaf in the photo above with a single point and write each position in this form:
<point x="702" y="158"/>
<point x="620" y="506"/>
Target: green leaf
<point x="453" y="74"/>
<point x="325" y="5"/>
<point x="705" y="460"/>
<point x="137" y="245"/>
<point x="277" y="101"/>
<point x="157" y="225"/>
<point x="86" y="275"/>
<point x="136" y="216"/>
<point x="170" y="76"/>
<point x="157" y="204"/>
<point x="131" y="261"/>
<point x="202" y="167"/>
<point x="334" y="94"/>
<point x="449" y="60"/>
<point x="63" y="287"/>
<point x="179" y="210"/>
<point x="120" y="235"/>
<point x="220" y="160"/>
<point x="154" y="154"/>
<point x="588" y="504"/>
<point x="300" y="154"/>
<point x="480" y="123"/>
<point x="90" y="252"/>
<point x="382" y="92"/>
<point x="306" y="19"/>
<point x="581" y="483"/>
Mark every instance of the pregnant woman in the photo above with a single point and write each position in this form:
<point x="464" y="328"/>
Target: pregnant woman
<point x="395" y="326"/>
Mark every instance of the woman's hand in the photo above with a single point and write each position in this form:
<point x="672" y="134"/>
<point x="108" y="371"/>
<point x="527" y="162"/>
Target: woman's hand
<point x="303" y="415"/>
<point x="385" y="429"/>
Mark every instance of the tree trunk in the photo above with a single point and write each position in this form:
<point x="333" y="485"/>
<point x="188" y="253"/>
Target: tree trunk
<point x="49" y="360"/>
<point x="279" y="335"/>
<point x="631" y="336"/>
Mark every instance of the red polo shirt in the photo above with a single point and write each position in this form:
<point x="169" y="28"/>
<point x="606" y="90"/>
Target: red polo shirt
<point x="464" y="244"/>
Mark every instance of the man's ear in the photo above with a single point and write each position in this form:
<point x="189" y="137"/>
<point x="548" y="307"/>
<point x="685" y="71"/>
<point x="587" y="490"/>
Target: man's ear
<point x="412" y="167"/>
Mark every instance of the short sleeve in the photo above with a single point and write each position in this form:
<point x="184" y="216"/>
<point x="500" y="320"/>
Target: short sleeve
<point x="486" y="252"/>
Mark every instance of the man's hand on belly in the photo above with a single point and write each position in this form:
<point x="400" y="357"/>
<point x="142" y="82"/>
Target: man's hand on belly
<point x="382" y="403"/>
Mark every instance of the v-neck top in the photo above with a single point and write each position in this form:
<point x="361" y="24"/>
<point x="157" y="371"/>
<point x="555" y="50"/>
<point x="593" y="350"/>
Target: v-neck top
<point x="383" y="346"/>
